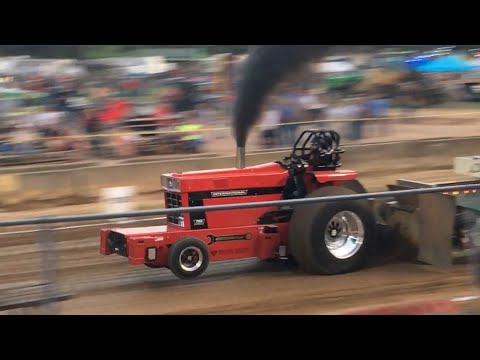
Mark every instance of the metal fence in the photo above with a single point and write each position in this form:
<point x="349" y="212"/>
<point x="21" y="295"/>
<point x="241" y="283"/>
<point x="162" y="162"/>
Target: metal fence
<point x="128" y="128"/>
<point x="251" y="205"/>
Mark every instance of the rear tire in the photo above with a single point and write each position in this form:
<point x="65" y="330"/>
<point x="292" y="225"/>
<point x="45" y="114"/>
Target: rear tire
<point x="188" y="258"/>
<point x="331" y="238"/>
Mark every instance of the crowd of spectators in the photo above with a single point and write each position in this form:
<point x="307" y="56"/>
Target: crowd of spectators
<point x="297" y="108"/>
<point x="109" y="116"/>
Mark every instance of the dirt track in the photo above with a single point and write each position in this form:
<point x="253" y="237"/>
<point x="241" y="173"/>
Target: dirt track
<point x="284" y="292"/>
<point x="107" y="285"/>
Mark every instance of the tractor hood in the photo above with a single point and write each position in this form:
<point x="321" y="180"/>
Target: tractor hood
<point x="266" y="175"/>
<point x="269" y="168"/>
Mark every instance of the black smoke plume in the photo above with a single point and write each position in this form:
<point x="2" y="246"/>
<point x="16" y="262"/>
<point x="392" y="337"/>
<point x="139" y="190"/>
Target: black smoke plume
<point x="266" y="66"/>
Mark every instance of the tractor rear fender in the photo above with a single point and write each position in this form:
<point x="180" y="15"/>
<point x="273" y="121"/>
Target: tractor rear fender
<point x="426" y="222"/>
<point x="324" y="177"/>
<point x="355" y="185"/>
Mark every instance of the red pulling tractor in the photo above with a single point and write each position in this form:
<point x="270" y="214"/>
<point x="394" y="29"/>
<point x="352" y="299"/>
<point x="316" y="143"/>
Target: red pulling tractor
<point x="323" y="238"/>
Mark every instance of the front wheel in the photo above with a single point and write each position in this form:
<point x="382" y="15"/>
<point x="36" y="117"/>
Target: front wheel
<point x="331" y="238"/>
<point x="188" y="258"/>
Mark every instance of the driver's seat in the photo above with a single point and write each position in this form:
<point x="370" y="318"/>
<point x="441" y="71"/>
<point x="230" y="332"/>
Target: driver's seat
<point x="324" y="154"/>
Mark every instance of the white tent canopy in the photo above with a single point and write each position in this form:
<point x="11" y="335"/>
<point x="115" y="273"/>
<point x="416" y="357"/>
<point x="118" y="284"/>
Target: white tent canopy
<point x="334" y="67"/>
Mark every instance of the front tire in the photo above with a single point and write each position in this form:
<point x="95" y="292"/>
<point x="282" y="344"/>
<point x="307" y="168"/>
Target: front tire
<point x="154" y="266"/>
<point x="331" y="238"/>
<point x="188" y="258"/>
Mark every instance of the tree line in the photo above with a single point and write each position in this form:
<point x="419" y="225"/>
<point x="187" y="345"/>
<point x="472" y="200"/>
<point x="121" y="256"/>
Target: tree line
<point x="97" y="51"/>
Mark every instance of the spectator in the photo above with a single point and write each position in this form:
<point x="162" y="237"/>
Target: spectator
<point x="379" y="107"/>
<point x="163" y="111"/>
<point x="93" y="128"/>
<point x="361" y="113"/>
<point x="24" y="139"/>
<point x="6" y="145"/>
<point x="356" y="112"/>
<point x="311" y="106"/>
<point x="125" y="146"/>
<point x="271" y="120"/>
<point x="207" y="116"/>
<point x="288" y="116"/>
<point x="46" y="123"/>
<point x="190" y="130"/>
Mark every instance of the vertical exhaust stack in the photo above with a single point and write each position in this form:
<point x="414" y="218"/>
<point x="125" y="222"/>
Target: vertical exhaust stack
<point x="240" y="157"/>
<point x="266" y="66"/>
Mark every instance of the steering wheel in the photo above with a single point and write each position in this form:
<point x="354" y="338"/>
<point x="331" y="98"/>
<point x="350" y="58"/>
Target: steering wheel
<point x="295" y="162"/>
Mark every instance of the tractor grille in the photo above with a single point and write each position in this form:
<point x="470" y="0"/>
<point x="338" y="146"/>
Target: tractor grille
<point x="174" y="201"/>
<point x="117" y="243"/>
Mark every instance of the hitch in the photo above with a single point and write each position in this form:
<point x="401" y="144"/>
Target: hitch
<point x="426" y="223"/>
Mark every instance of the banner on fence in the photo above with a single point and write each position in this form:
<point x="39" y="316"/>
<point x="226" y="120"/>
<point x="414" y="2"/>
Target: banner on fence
<point x="118" y="199"/>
